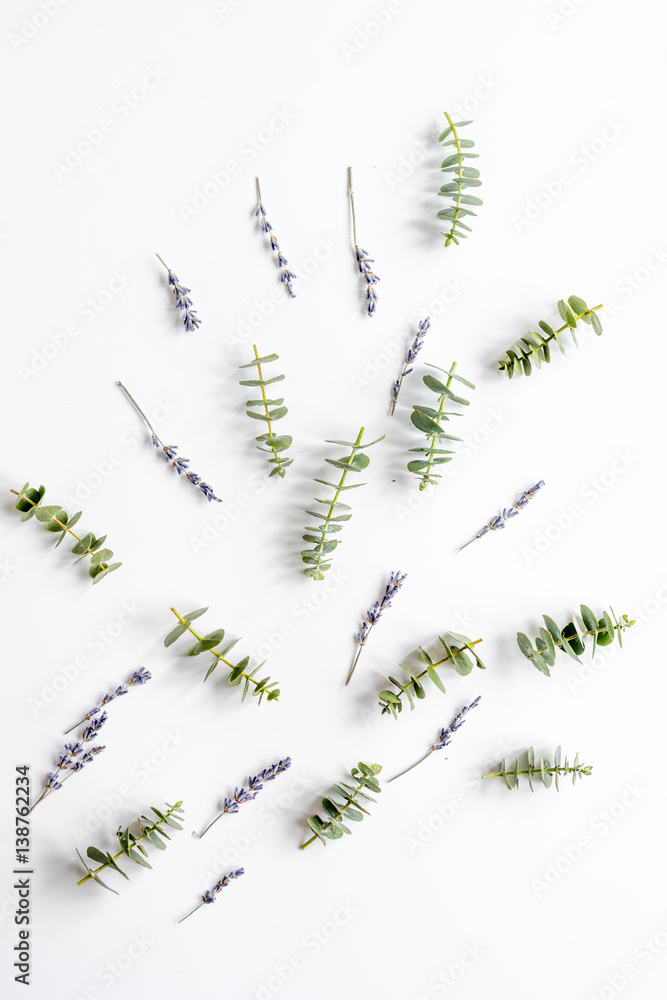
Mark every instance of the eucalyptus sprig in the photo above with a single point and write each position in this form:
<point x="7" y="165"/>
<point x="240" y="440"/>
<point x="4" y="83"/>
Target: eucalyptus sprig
<point x="276" y="443"/>
<point x="430" y="421"/>
<point x="131" y="845"/>
<point x="55" y="519"/>
<point x="570" y="639"/>
<point x="238" y="672"/>
<point x="456" y="656"/>
<point x="543" y="770"/>
<point x="336" y="512"/>
<point x="333" y="827"/>
<point x="525" y="353"/>
<point x="465" y="178"/>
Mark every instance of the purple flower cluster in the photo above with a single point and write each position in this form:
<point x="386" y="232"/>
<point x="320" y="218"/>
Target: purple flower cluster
<point x="364" y="262"/>
<point x="210" y="894"/>
<point x="375" y="613"/>
<point x="255" y="786"/>
<point x="446" y="734"/>
<point x="74" y="757"/>
<point x="410" y="358"/>
<point x="140" y="676"/>
<point x="183" y="301"/>
<point x="170" y="452"/>
<point x="498" y="522"/>
<point x="286" y="276"/>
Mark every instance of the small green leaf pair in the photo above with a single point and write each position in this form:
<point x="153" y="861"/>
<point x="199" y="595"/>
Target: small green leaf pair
<point x="56" y="520"/>
<point x="429" y="421"/>
<point x="131" y="845"/>
<point x="456" y="655"/>
<point x="542" y="770"/>
<point x="527" y="352"/>
<point x="571" y="639"/>
<point x="333" y="827"/>
<point x="238" y="672"/>
<point x="269" y="411"/>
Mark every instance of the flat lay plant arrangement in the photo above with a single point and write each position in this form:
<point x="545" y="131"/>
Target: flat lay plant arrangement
<point x="443" y="396"/>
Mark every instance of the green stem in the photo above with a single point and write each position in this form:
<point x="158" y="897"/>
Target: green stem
<point x="427" y="754"/>
<point x="55" y="520"/>
<point x="323" y="530"/>
<point x="136" y="405"/>
<point x="426" y="480"/>
<point x="190" y="913"/>
<point x="448" y="236"/>
<point x="354" y="214"/>
<point x="281" y="471"/>
<point x="136" y="840"/>
<point x="361" y="646"/>
<point x="162" y="262"/>
<point x="536" y="771"/>
<point x="218" y="656"/>
<point x="566" y="326"/>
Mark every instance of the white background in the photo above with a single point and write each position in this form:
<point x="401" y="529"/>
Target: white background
<point x="547" y="895"/>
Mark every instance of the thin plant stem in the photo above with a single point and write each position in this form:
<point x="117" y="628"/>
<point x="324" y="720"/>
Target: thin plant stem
<point x="354" y="214"/>
<point x="190" y="913"/>
<point x="361" y="646"/>
<point x="259" y="190"/>
<point x="427" y="754"/>
<point x="281" y="473"/>
<point x="162" y="262"/>
<point x="138" y="408"/>
<point x="434" y="438"/>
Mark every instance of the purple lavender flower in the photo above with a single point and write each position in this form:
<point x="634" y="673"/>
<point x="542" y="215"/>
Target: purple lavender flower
<point x="286" y="276"/>
<point x="445" y="737"/>
<point x="410" y="358"/>
<point x="364" y="261"/>
<point x="255" y="785"/>
<point x="210" y="895"/>
<point x="497" y="523"/>
<point x="170" y="453"/>
<point x="374" y="614"/>
<point x="183" y="301"/>
<point x="74" y="758"/>
<point x="140" y="676"/>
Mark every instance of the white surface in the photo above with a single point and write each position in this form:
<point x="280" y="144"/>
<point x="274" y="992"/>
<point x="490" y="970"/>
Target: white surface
<point x="537" y="92"/>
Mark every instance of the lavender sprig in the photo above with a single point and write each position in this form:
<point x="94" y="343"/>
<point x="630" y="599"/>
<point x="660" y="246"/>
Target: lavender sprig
<point x="498" y="522"/>
<point x="410" y="358"/>
<point x="364" y="261"/>
<point x="183" y="301"/>
<point x="286" y="276"/>
<point x="170" y="453"/>
<point x="255" y="785"/>
<point x="74" y="758"/>
<point x="375" y="613"/>
<point x="139" y="677"/>
<point x="445" y="737"/>
<point x="210" y="894"/>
